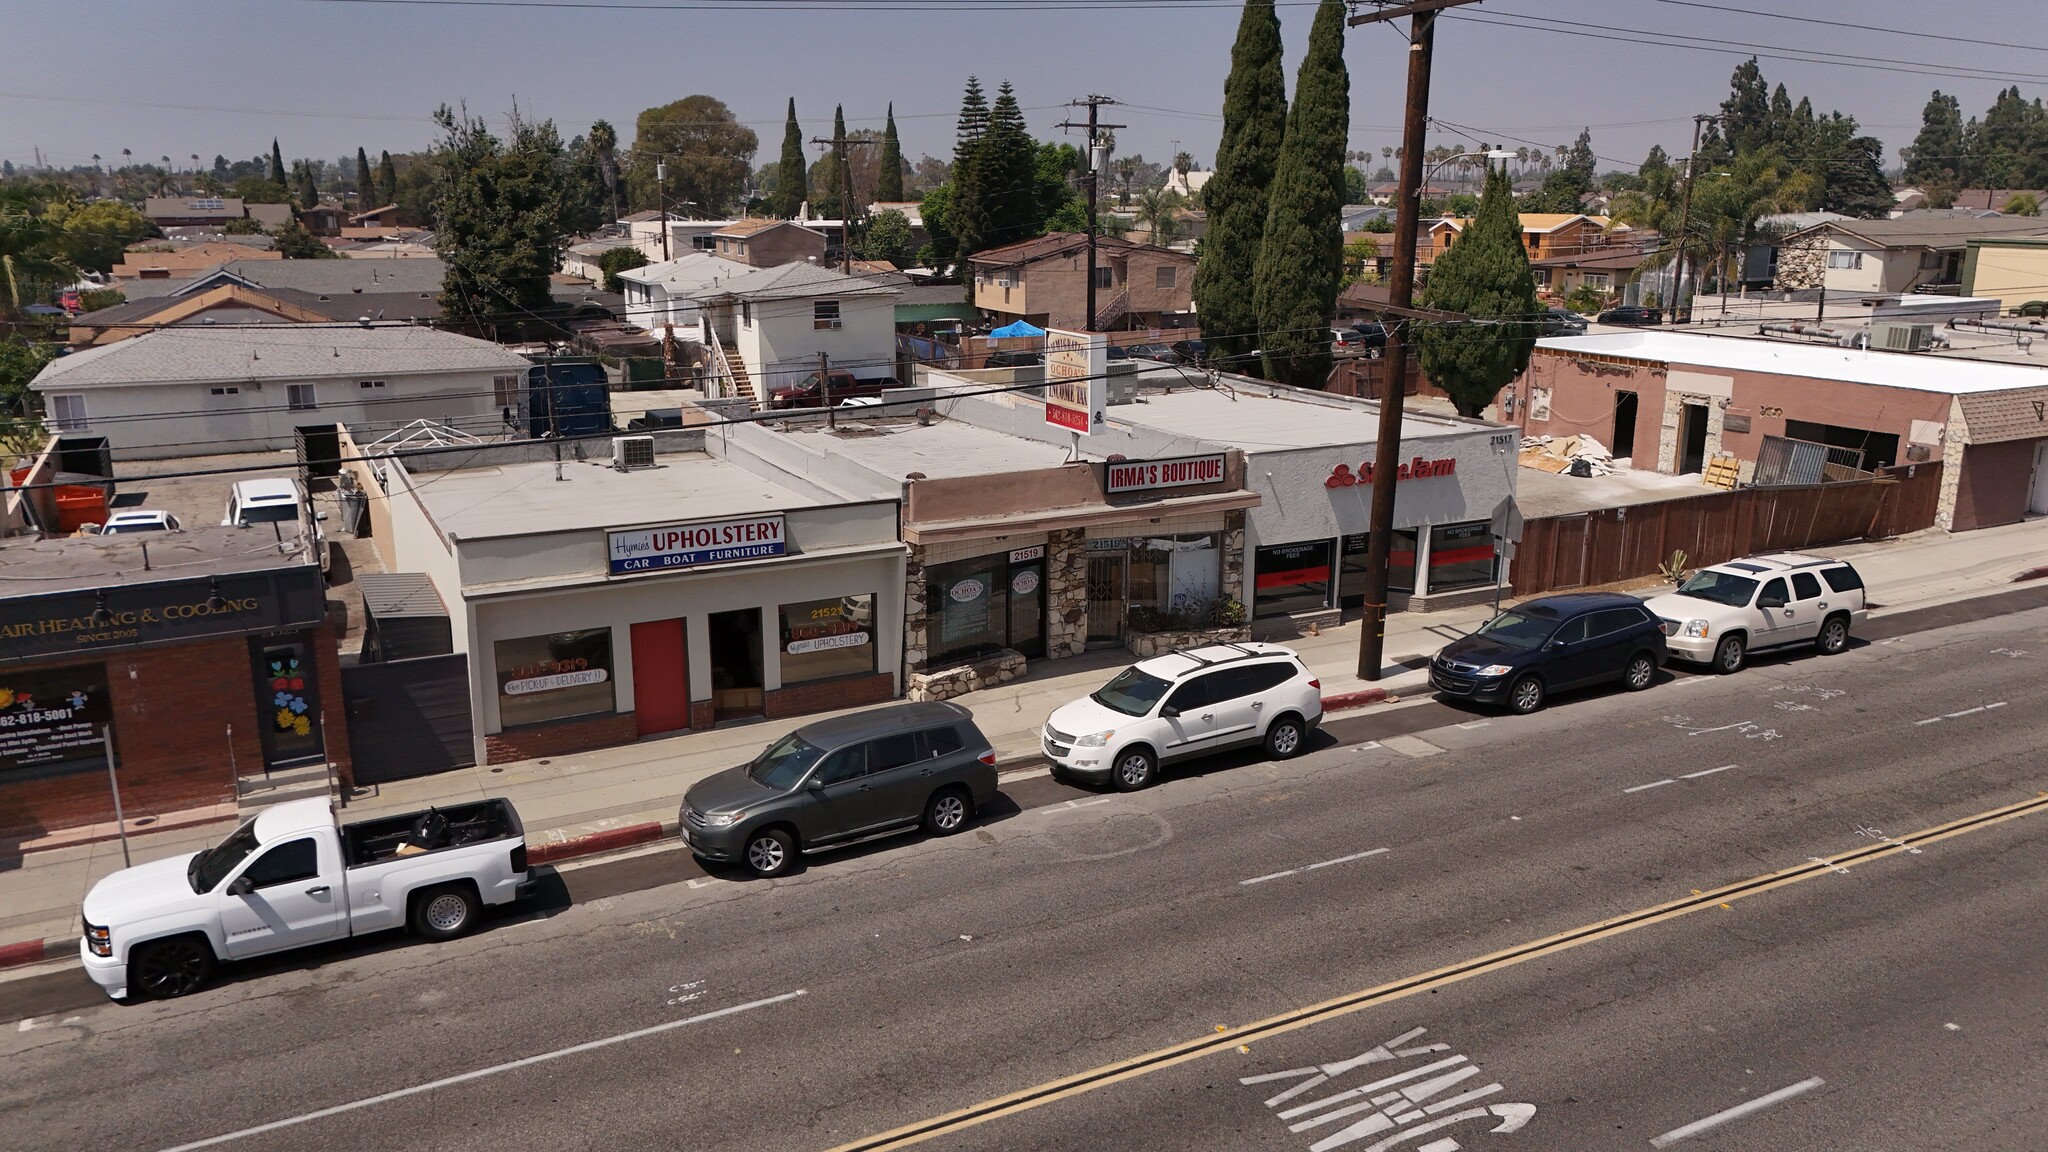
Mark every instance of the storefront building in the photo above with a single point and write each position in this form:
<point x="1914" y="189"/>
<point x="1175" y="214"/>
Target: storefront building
<point x="599" y="605"/>
<point x="202" y="661"/>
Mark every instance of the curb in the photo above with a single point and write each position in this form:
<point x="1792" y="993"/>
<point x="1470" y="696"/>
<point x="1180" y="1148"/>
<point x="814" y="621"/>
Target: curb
<point x="609" y="840"/>
<point x="2030" y="574"/>
<point x="33" y="951"/>
<point x="1359" y="699"/>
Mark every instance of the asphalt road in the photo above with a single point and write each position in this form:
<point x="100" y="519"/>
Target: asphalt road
<point x="895" y="983"/>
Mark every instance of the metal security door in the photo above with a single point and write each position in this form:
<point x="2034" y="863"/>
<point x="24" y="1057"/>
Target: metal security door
<point x="1106" y="573"/>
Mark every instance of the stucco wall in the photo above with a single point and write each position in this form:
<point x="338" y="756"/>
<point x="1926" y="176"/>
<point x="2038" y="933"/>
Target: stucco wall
<point x="1994" y="484"/>
<point x="781" y="345"/>
<point x="1297" y="505"/>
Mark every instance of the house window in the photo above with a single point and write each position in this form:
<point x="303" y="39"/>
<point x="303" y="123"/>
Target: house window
<point x="299" y="397"/>
<point x="1102" y="277"/>
<point x="1004" y="279"/>
<point x="369" y="383"/>
<point x="825" y="314"/>
<point x="1597" y="279"/>
<point x="1930" y="260"/>
<point x="1543" y="277"/>
<point x="227" y="391"/>
<point x="1164" y="276"/>
<point x="67" y="413"/>
<point x="504" y="388"/>
<point x="747" y="313"/>
<point x="701" y="243"/>
<point x="1845" y="260"/>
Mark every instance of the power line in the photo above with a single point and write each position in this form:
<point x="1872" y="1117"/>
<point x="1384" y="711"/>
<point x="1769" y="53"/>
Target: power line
<point x="1804" y="19"/>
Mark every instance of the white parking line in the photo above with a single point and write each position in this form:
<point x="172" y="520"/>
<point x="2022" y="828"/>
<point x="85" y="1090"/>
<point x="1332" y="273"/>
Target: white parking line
<point x="1313" y="867"/>
<point x="1676" y="779"/>
<point x="1647" y="787"/>
<point x="1707" y="772"/>
<point x="1736" y="1113"/>
<point x="1964" y="712"/>
<point x="449" y="1081"/>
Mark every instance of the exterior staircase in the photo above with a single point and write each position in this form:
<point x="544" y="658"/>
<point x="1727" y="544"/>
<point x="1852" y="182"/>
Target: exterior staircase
<point x="255" y="793"/>
<point x="742" y="380"/>
<point x="1107" y="316"/>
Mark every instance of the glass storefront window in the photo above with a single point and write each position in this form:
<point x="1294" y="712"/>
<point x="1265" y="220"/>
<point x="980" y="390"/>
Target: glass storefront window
<point x="1174" y="581"/>
<point x="826" y="638"/>
<point x="966" y="604"/>
<point x="1460" y="556"/>
<point x="1400" y="566"/>
<point x="562" y="674"/>
<point x="1292" y="578"/>
<point x="50" y="721"/>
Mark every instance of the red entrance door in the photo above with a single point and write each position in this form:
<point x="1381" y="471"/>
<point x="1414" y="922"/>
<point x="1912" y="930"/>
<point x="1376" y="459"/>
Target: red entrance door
<point x="661" y="681"/>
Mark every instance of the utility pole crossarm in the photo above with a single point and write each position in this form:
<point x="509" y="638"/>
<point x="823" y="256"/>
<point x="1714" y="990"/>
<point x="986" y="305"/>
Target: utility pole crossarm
<point x="1094" y="127"/>
<point x="1417" y="8"/>
<point x="846" y="195"/>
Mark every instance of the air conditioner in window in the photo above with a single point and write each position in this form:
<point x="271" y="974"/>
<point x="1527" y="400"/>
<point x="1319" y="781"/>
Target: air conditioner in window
<point x="833" y="324"/>
<point x="632" y="453"/>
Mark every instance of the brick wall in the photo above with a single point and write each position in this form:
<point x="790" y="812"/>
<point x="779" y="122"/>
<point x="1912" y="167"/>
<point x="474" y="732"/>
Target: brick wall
<point x="561" y="738"/>
<point x="826" y="695"/>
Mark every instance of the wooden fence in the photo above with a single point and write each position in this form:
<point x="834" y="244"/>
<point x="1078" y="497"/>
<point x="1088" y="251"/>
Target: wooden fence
<point x="1613" y="544"/>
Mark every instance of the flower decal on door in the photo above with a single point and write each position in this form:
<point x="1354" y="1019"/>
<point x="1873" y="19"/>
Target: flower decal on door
<point x="288" y="696"/>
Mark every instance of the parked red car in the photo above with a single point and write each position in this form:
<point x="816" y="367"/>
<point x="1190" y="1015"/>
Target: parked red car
<point x="843" y="387"/>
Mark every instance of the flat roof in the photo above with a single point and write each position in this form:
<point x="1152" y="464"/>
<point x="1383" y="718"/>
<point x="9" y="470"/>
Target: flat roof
<point x="1259" y="417"/>
<point x="524" y="498"/>
<point x="1918" y="371"/>
<point x="31" y="567"/>
<point x="898" y="446"/>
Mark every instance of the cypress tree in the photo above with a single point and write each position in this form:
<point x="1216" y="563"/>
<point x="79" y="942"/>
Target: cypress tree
<point x="276" y="164"/>
<point x="1007" y="174"/>
<point x="889" y="183"/>
<point x="387" y="183"/>
<point x="1937" y="150"/>
<point x="1301" y="256"/>
<point x="308" y="193"/>
<point x="1254" y="124"/>
<point x="1486" y="276"/>
<point x="365" y="182"/>
<point x="826" y="174"/>
<point x="963" y="204"/>
<point x="790" y="171"/>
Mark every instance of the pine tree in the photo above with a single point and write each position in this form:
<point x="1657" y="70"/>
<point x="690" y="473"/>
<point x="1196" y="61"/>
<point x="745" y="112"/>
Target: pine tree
<point x="365" y="182"/>
<point x="790" y="171"/>
<point x="387" y="183"/>
<point x="276" y="164"/>
<point x="1937" y="150"/>
<point x="889" y="183"/>
<point x="829" y="173"/>
<point x="1301" y="254"/>
<point x="1254" y="124"/>
<point x="307" y="192"/>
<point x="1007" y="174"/>
<point x="1486" y="276"/>
<point x="963" y="215"/>
<point x="1746" y="114"/>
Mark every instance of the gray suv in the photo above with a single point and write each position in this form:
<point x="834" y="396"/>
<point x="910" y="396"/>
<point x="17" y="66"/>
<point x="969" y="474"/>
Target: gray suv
<point x="840" y="780"/>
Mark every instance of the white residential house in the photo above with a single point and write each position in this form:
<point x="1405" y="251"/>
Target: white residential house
<point x="203" y="392"/>
<point x="780" y="319"/>
<point x="671" y="292"/>
<point x="1902" y="254"/>
<point x="684" y="235"/>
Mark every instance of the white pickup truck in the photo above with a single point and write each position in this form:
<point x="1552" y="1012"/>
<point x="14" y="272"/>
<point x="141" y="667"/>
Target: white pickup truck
<point x="291" y="877"/>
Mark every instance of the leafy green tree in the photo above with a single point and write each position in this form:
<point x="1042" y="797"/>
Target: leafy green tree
<point x="1361" y="261"/>
<point x="964" y="213"/>
<point x="2022" y="204"/>
<point x="276" y="163"/>
<point x="1357" y="189"/>
<point x="936" y="210"/>
<point x="295" y="243"/>
<point x="1485" y="276"/>
<point x="1746" y="113"/>
<point x="1057" y="169"/>
<point x="20" y="360"/>
<point x="1567" y="186"/>
<point x="887" y="237"/>
<point x="1157" y="215"/>
<point x="604" y="148"/>
<point x="498" y="216"/>
<point x="365" y="180"/>
<point x="828" y="174"/>
<point x="307" y="192"/>
<point x="96" y="233"/>
<point x="619" y="260"/>
<point x="889" y="178"/>
<point x="387" y="184"/>
<point x="2009" y="147"/>
<point x="256" y="190"/>
<point x="708" y="152"/>
<point x="1254" y="124"/>
<point x="1007" y="175"/>
<point x="588" y="204"/>
<point x="790" y="179"/>
<point x="1301" y="255"/>
<point x="1937" y="152"/>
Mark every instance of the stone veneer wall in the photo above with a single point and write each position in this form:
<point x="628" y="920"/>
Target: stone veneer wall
<point x="1145" y="645"/>
<point x="1066" y="593"/>
<point x="1232" y="585"/>
<point x="1802" y="265"/>
<point x="960" y="679"/>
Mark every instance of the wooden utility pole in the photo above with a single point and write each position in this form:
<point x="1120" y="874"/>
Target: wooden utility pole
<point x="825" y="390"/>
<point x="1685" y="219"/>
<point x="840" y="144"/>
<point x="661" y="199"/>
<point x="1094" y="128"/>
<point x="1372" y="632"/>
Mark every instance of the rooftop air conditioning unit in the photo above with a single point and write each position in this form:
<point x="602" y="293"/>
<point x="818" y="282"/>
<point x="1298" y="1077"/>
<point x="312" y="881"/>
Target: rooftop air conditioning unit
<point x="632" y="453"/>
<point x="1902" y="337"/>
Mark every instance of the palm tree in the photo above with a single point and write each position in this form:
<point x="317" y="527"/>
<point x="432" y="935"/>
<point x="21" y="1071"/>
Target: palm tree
<point x="1156" y="208"/>
<point x="604" y="144"/>
<point x="29" y="248"/>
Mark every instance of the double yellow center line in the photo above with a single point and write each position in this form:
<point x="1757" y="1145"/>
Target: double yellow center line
<point x="1136" y="1066"/>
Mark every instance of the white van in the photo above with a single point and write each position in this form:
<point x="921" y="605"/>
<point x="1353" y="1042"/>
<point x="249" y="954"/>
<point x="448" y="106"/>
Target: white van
<point x="275" y="500"/>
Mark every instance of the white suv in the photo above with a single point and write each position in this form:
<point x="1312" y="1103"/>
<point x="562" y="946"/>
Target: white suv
<point x="1725" y="611"/>
<point x="1186" y="703"/>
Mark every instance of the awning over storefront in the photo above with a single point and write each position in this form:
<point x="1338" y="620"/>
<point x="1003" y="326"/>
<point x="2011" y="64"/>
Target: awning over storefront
<point x="1080" y="516"/>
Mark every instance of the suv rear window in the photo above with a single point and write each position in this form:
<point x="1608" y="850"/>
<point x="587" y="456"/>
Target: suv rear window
<point x="1615" y="620"/>
<point x="1842" y="579"/>
<point x="942" y="741"/>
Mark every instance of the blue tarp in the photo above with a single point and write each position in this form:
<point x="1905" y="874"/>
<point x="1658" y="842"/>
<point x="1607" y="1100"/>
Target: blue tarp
<point x="1020" y="328"/>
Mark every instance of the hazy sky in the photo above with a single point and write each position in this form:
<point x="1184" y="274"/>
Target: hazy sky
<point x="178" y="77"/>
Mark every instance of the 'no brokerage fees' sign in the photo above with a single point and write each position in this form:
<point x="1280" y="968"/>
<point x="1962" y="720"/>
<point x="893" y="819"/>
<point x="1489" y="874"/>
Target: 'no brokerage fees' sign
<point x="688" y="545"/>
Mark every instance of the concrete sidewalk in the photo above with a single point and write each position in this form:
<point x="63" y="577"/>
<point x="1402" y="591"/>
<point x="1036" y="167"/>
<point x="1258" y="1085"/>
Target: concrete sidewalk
<point x="612" y="796"/>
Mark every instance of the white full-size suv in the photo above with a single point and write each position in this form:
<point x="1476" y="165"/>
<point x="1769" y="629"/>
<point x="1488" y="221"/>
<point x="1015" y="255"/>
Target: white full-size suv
<point x="1186" y="703"/>
<point x="1723" y="612"/>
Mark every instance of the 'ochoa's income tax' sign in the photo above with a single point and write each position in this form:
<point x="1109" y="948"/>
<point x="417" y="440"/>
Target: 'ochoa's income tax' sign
<point x="687" y="545"/>
<point x="1076" y="380"/>
<point x="1141" y="475"/>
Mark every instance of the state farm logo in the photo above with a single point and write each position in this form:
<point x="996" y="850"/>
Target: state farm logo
<point x="1419" y="468"/>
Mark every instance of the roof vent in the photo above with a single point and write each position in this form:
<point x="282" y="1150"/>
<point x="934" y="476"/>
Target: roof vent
<point x="632" y="453"/>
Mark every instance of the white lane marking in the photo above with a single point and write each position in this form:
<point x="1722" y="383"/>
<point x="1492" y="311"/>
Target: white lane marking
<point x="1929" y="720"/>
<point x="449" y="1081"/>
<point x="1313" y="867"/>
<point x="1707" y="772"/>
<point x="1475" y="724"/>
<point x="1089" y="803"/>
<point x="1964" y="712"/>
<point x="1647" y="787"/>
<point x="1736" y="1113"/>
<point x="26" y="1024"/>
<point x="1989" y="707"/>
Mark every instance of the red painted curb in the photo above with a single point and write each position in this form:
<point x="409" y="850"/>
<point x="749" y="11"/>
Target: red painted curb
<point x="30" y="952"/>
<point x="1357" y="699"/>
<point x="611" y="839"/>
<point x="2030" y="574"/>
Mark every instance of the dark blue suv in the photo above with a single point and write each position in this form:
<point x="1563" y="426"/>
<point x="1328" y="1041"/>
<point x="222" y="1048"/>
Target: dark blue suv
<point x="1550" y="644"/>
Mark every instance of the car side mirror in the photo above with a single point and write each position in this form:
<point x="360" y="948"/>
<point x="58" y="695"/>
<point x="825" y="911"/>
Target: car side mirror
<point x="815" y="784"/>
<point x="242" y="886"/>
<point x="1169" y="712"/>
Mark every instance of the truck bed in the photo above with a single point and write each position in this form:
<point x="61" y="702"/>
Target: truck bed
<point x="427" y="831"/>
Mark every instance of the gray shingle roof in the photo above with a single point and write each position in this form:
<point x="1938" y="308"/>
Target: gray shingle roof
<point x="333" y="277"/>
<point x="287" y="352"/>
<point x="800" y="281"/>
